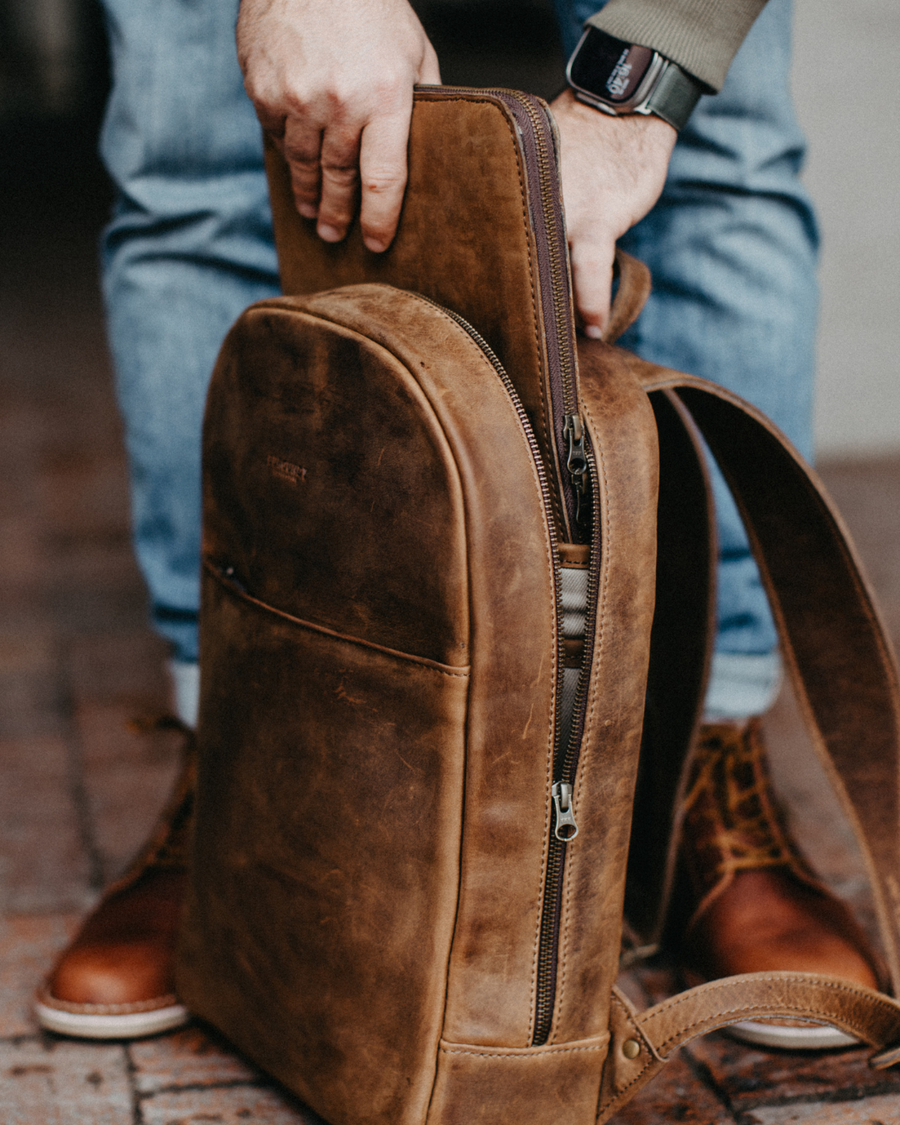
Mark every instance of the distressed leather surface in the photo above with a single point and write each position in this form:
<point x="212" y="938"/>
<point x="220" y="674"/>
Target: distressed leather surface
<point x="513" y="663"/>
<point x="313" y="517"/>
<point x="287" y="936"/>
<point x="326" y="857"/>
<point x="623" y="437"/>
<point x="540" y="1085"/>
<point x="869" y="1016"/>
<point x="834" y="645"/>
<point x="384" y="968"/>
<point x="378" y="645"/>
<point x="681" y="639"/>
<point x="464" y="240"/>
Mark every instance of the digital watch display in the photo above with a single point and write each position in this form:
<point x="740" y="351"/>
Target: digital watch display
<point x="621" y="78"/>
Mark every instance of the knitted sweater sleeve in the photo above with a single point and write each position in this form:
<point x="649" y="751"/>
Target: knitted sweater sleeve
<point x="702" y="36"/>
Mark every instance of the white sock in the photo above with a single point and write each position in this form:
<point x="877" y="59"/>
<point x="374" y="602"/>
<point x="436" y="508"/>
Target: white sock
<point x="186" y="685"/>
<point x="741" y="686"/>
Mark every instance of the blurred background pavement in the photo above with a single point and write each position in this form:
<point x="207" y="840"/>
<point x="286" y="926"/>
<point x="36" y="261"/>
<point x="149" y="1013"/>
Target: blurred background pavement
<point x="52" y="68"/>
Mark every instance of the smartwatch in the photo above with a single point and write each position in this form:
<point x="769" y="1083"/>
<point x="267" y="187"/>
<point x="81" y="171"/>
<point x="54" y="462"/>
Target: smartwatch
<point x="621" y="78"/>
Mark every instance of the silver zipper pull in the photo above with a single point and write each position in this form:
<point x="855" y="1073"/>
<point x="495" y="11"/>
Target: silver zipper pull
<point x="566" y="828"/>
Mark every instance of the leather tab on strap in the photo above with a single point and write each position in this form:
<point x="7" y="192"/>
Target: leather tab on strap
<point x="641" y="1043"/>
<point x="631" y="296"/>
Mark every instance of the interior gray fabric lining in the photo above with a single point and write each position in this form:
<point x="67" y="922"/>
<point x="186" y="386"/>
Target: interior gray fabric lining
<point x="574" y="583"/>
<point x="573" y="586"/>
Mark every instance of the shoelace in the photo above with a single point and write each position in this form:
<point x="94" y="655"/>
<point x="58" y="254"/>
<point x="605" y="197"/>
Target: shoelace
<point x="732" y="821"/>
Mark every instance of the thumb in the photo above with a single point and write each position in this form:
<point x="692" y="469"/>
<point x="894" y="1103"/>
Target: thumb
<point x="429" y="72"/>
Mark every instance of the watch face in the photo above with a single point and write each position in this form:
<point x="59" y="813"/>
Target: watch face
<point x="608" y="67"/>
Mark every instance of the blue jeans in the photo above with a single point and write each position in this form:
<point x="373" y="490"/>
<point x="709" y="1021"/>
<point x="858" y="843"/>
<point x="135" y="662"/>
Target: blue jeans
<point x="732" y="247"/>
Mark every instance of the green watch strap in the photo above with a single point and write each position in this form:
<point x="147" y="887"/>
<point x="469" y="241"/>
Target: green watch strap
<point x="674" y="96"/>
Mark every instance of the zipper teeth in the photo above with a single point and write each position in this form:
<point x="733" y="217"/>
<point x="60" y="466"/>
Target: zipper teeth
<point x="552" y="222"/>
<point x="491" y="356"/>
<point x="555" y="302"/>
<point x="569" y="763"/>
<point x="559" y="357"/>
<point x="547" y="947"/>
<point x="548" y="955"/>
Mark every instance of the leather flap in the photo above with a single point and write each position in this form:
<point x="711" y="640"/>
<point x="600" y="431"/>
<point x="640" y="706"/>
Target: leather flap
<point x="464" y="238"/>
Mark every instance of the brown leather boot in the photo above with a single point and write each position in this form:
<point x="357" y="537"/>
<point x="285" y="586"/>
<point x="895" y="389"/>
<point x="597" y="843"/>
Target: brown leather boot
<point x="115" y="980"/>
<point x="759" y="905"/>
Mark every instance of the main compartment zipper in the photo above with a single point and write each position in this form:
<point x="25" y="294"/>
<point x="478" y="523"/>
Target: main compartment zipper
<point x="569" y="725"/>
<point x="576" y="473"/>
<point x="579" y="494"/>
<point x="570" y="732"/>
<point x="538" y="146"/>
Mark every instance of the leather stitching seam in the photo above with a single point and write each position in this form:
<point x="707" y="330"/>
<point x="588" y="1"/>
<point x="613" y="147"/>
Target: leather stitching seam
<point x="546" y="423"/>
<point x="651" y="1063"/>
<point x="536" y="1055"/>
<point x="833" y="986"/>
<point x="423" y="661"/>
<point x="595" y="663"/>
<point x="888" y="921"/>
<point x="545" y="426"/>
<point x="762" y="1010"/>
<point x="435" y="308"/>
<point x="751" y="1009"/>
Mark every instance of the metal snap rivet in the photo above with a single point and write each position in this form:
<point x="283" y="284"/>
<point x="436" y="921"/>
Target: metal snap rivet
<point x="631" y="1048"/>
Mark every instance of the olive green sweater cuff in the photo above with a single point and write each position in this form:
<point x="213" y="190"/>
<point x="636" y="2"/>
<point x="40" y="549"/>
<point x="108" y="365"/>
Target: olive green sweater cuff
<point x="702" y="36"/>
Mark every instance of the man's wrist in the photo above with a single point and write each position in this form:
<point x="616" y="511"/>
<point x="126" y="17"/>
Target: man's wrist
<point x="622" y="78"/>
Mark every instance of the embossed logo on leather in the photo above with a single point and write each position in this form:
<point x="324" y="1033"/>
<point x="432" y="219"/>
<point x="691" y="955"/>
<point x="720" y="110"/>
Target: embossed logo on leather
<point x="287" y="470"/>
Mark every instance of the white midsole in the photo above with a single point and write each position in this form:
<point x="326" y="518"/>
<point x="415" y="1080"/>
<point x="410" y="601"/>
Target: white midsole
<point x="810" y="1037"/>
<point x="129" y="1025"/>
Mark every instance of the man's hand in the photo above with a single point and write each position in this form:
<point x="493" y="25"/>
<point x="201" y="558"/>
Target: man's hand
<point x="613" y="171"/>
<point x="332" y="82"/>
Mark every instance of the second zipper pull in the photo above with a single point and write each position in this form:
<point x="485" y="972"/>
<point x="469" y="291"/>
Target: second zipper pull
<point x="566" y="828"/>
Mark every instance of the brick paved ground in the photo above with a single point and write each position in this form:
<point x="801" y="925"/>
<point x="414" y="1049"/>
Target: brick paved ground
<point x="78" y="789"/>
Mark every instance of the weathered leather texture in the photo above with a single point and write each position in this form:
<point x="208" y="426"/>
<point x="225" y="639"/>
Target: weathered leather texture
<point x="835" y="646"/>
<point x="375" y="788"/>
<point x="464" y="244"/>
<point x="681" y="643"/>
<point x="373" y="808"/>
<point x="870" y="1016"/>
<point x="379" y="654"/>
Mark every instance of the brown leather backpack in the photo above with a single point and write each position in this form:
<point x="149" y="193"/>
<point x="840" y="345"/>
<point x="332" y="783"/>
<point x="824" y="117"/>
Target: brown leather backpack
<point x="431" y="557"/>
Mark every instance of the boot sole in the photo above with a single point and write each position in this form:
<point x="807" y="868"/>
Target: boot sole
<point x="802" y="1037"/>
<point x="124" y="1025"/>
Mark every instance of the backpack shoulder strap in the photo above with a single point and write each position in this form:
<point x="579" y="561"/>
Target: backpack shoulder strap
<point x="680" y="645"/>
<point x="641" y="1042"/>
<point x="845" y="678"/>
<point x="834" y="645"/>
